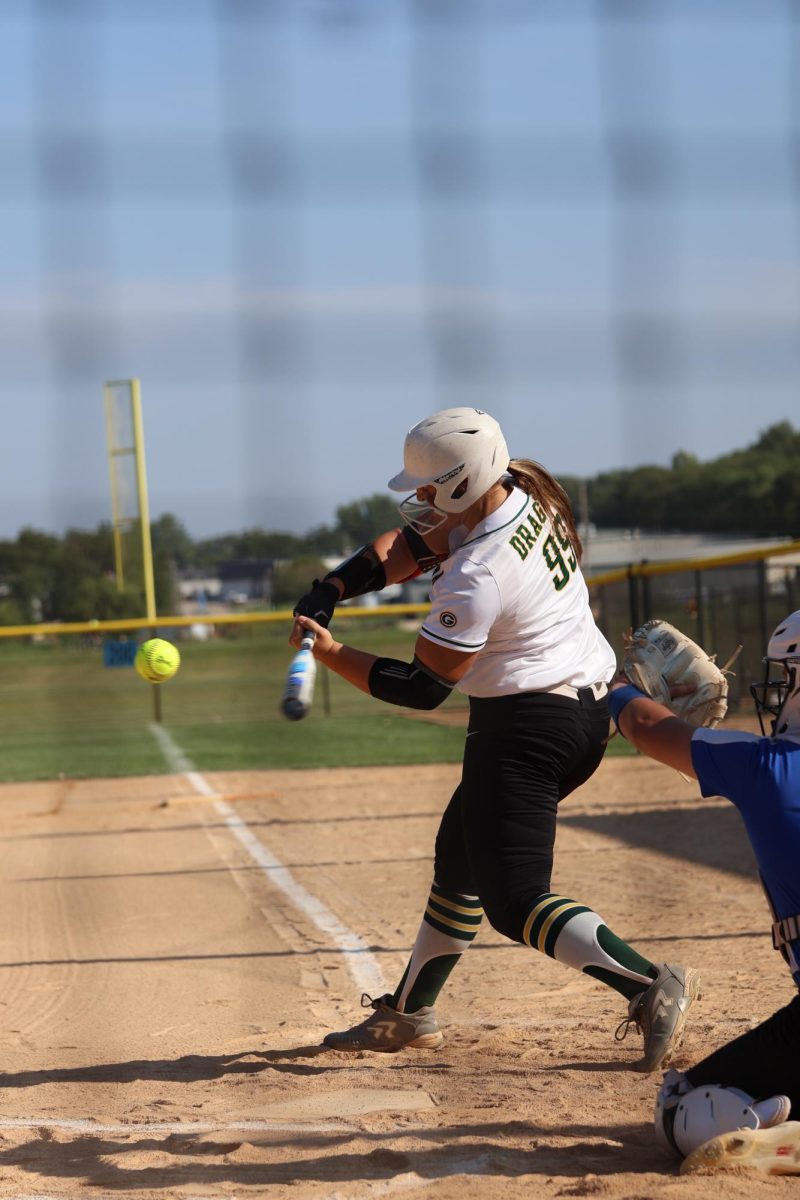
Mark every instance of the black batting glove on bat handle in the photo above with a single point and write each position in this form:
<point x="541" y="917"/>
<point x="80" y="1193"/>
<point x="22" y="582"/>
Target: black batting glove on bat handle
<point x="319" y="603"/>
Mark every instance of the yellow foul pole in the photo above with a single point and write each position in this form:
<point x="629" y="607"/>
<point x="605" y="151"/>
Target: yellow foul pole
<point x="144" y="504"/>
<point x="115" y="513"/>
<point x="133" y="398"/>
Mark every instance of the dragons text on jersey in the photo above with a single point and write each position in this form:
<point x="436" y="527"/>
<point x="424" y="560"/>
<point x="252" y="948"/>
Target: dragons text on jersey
<point x="512" y="589"/>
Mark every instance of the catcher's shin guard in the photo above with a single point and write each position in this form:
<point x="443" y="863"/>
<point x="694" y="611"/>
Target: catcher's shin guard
<point x="687" y="1117"/>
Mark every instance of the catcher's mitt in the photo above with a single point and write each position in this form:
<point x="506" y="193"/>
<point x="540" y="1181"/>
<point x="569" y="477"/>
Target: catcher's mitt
<point x="659" y="658"/>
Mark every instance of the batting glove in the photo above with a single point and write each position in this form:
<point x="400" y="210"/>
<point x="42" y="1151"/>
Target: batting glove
<point x="319" y="603"/>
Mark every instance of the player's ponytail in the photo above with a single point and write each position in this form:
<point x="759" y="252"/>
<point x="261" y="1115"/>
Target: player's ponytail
<point x="531" y="477"/>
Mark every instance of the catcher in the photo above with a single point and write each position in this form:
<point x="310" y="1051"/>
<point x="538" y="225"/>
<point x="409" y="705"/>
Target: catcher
<point x="731" y="1109"/>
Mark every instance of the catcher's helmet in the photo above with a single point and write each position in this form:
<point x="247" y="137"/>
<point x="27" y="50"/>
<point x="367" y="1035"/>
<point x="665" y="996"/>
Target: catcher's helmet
<point x="779" y="694"/>
<point x="461" y="452"/>
<point x="706" y="1112"/>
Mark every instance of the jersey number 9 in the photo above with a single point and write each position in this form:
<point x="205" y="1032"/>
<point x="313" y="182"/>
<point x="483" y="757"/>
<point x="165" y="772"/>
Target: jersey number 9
<point x="559" y="555"/>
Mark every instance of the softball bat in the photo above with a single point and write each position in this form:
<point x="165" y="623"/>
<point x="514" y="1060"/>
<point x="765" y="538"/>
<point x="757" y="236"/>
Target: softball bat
<point x="300" y="678"/>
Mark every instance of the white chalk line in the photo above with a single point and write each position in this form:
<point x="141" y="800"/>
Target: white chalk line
<point x="85" y="1125"/>
<point x="361" y="963"/>
<point x="71" y="1196"/>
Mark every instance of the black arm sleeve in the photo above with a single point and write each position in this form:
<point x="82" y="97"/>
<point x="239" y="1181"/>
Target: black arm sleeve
<point x="362" y="572"/>
<point x="408" y="684"/>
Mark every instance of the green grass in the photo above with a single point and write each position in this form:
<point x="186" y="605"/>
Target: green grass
<point x="64" y="713"/>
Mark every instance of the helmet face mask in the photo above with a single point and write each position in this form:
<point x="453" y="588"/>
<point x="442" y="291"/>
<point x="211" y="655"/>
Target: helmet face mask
<point x="770" y="695"/>
<point x="778" y="696"/>
<point x="459" y="454"/>
<point x="421" y="515"/>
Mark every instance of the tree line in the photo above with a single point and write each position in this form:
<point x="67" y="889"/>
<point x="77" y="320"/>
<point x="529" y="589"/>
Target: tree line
<point x="44" y="577"/>
<point x="754" y="491"/>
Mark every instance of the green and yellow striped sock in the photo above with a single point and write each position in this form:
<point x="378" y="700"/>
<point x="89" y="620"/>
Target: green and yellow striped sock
<point x="576" y="936"/>
<point x="448" y="927"/>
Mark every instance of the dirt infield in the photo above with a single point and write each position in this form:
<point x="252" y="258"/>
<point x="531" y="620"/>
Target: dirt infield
<point x="171" y="958"/>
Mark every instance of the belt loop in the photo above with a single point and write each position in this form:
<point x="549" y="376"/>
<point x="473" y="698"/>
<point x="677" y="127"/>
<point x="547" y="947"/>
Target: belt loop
<point x="595" y="690"/>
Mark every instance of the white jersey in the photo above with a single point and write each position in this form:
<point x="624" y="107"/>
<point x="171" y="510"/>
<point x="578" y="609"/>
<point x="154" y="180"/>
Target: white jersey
<point x="512" y="591"/>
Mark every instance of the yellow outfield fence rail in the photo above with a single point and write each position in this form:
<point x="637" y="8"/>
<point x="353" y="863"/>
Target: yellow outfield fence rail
<point x="721" y="601"/>
<point x="123" y="624"/>
<point x="640" y="570"/>
<point x="645" y="569"/>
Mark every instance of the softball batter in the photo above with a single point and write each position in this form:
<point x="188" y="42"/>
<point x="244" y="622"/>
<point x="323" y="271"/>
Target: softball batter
<point x="511" y="627"/>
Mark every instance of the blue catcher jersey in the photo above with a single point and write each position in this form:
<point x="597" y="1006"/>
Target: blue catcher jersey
<point x="761" y="776"/>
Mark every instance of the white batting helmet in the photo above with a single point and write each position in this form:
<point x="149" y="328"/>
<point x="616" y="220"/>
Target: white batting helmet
<point x="688" y="1120"/>
<point x="779" y="694"/>
<point x="461" y="452"/>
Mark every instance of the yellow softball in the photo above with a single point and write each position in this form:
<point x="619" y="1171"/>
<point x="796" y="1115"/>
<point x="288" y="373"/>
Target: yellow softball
<point x="157" y="660"/>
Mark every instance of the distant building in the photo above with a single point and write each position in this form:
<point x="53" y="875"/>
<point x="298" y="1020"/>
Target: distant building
<point x="194" y="585"/>
<point x="609" y="549"/>
<point x="243" y="580"/>
<point x="237" y="582"/>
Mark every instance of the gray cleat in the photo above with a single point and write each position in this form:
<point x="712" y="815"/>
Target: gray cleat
<point x="388" y="1030"/>
<point x="659" y="1013"/>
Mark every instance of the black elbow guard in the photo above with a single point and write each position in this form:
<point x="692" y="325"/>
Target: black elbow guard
<point x="362" y="572"/>
<point x="407" y="684"/>
<point x="425" y="558"/>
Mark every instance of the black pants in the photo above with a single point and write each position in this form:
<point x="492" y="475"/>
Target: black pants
<point x="765" y="1061"/>
<point x="523" y="754"/>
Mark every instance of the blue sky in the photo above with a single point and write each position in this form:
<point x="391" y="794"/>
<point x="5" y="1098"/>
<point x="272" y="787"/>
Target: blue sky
<point x="306" y="229"/>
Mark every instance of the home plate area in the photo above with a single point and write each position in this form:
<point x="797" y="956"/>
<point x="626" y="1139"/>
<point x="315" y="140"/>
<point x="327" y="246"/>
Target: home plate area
<point x="172" y="958"/>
